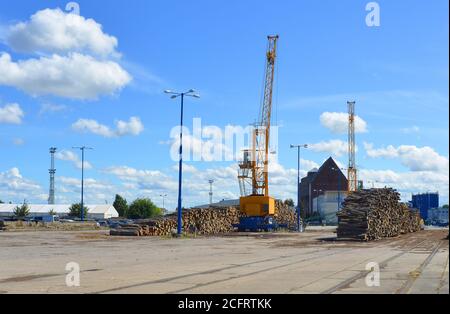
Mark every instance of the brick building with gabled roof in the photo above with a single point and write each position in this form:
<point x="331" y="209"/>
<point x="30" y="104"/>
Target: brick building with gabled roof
<point x="329" y="177"/>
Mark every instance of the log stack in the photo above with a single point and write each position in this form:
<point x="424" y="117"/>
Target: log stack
<point x="202" y="221"/>
<point x="374" y="214"/>
<point x="286" y="215"/>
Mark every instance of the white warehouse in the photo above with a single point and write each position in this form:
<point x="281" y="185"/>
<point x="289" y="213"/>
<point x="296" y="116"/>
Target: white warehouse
<point x="95" y="211"/>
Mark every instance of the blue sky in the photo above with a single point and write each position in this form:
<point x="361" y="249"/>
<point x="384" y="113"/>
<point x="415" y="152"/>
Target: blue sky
<point x="397" y="73"/>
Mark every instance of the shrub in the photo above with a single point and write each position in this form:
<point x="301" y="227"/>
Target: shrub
<point x="143" y="208"/>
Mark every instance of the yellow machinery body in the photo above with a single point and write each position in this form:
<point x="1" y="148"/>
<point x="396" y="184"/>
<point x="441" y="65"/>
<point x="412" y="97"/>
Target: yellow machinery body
<point x="257" y="206"/>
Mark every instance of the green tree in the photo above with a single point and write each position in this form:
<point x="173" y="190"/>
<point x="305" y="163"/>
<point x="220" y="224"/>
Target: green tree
<point x="445" y="206"/>
<point x="121" y="205"/>
<point x="143" y="208"/>
<point x="75" y="210"/>
<point x="52" y="212"/>
<point x="22" y="211"/>
<point x="1" y="202"/>
<point x="289" y="202"/>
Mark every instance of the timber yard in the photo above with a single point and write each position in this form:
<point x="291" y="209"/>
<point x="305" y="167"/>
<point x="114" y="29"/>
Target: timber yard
<point x="342" y="234"/>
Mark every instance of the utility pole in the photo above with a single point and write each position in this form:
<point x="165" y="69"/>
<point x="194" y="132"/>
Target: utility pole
<point x="52" y="171"/>
<point x="210" y="191"/>
<point x="83" y="148"/>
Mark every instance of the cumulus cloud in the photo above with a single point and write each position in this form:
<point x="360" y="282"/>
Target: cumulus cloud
<point x="11" y="113"/>
<point x="415" y="158"/>
<point x="75" y="76"/>
<point x="18" y="141"/>
<point x="51" y="108"/>
<point x="54" y="31"/>
<point x="337" y="122"/>
<point x="334" y="147"/>
<point x="408" y="182"/>
<point x="15" y="188"/>
<point x="144" y="179"/>
<point x="133" y="127"/>
<point x="67" y="155"/>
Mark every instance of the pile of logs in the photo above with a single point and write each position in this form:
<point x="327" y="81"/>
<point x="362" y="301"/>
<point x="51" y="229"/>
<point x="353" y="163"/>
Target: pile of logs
<point x="374" y="214"/>
<point x="209" y="221"/>
<point x="286" y="215"/>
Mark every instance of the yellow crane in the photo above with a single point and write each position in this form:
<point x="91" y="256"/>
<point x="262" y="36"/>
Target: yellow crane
<point x="255" y="201"/>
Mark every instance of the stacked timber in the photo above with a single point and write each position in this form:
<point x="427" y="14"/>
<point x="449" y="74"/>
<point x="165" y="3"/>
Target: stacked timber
<point x="286" y="215"/>
<point x="374" y="214"/>
<point x="209" y="221"/>
<point x="202" y="221"/>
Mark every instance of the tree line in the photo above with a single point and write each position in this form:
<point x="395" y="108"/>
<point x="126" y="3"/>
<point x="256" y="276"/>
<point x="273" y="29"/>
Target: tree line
<point x="140" y="208"/>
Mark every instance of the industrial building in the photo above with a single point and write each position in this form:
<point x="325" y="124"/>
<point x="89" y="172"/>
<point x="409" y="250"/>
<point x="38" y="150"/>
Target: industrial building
<point x="438" y="216"/>
<point x="95" y="211"/>
<point x="424" y="202"/>
<point x="328" y="204"/>
<point x="329" y="182"/>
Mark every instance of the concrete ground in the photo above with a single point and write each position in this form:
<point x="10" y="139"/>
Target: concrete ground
<point x="312" y="262"/>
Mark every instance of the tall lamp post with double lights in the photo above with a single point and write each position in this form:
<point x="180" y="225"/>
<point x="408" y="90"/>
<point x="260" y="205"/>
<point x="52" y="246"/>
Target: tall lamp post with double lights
<point x="299" y="147"/>
<point x="82" y="148"/>
<point x="175" y="95"/>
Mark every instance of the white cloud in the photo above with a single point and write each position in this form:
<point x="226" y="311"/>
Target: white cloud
<point x="54" y="31"/>
<point x="18" y="141"/>
<point x="75" y="76"/>
<point x="334" y="147"/>
<point x="144" y="179"/>
<point x="67" y="155"/>
<point x="11" y="113"/>
<point x="51" y="108"/>
<point x="411" y="130"/>
<point x="337" y="122"/>
<point x="415" y="158"/>
<point x="92" y="126"/>
<point x="133" y="127"/>
<point x="409" y="182"/>
<point x="15" y="188"/>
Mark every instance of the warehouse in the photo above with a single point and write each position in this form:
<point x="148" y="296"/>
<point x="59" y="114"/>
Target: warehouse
<point x="328" y="178"/>
<point x="94" y="211"/>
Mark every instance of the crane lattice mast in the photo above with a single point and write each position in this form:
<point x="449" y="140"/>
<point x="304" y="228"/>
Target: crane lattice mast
<point x="352" y="171"/>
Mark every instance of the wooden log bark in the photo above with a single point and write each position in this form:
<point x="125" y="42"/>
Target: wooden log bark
<point x="375" y="214"/>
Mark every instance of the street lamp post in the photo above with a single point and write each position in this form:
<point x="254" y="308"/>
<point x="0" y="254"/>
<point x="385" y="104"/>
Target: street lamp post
<point x="83" y="148"/>
<point x="190" y="93"/>
<point x="339" y="187"/>
<point x="317" y="203"/>
<point x="299" y="227"/>
<point x="163" y="199"/>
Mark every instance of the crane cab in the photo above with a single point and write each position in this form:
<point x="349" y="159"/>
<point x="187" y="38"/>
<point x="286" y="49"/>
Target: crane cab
<point x="257" y="205"/>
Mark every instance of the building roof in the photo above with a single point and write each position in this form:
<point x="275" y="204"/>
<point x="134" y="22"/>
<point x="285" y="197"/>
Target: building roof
<point x="222" y="203"/>
<point x="59" y="209"/>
